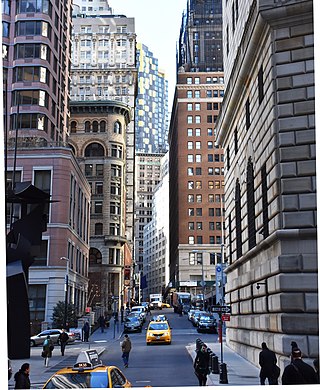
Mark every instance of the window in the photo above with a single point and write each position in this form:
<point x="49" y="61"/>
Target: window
<point x="210" y="171"/>
<point x="189" y="94"/>
<point x="238" y="219"/>
<point x="189" y="107"/>
<point x="197" y="94"/>
<point x="189" y="119"/>
<point x="192" y="257"/>
<point x="189" y="80"/>
<point x="209" y="118"/>
<point x="99" y="188"/>
<point x="190" y="171"/>
<point x="94" y="150"/>
<point x="190" y="145"/>
<point x="199" y="241"/>
<point x="199" y="212"/>
<point x="98" y="207"/>
<point x="117" y="127"/>
<point x="114" y="229"/>
<point x="248" y="114"/>
<point x="197" y="119"/>
<point x="216" y="157"/>
<point x="212" y="240"/>
<point x="209" y="106"/>
<point x="198" y="132"/>
<point x="190" y="158"/>
<point x="264" y="189"/>
<point x="99" y="170"/>
<point x="191" y="212"/>
<point x="191" y="225"/>
<point x="197" y="107"/>
<point x="190" y="132"/>
<point x="31" y="97"/>
<point x="236" y="141"/>
<point x="198" y="185"/>
<point x="88" y="169"/>
<point x="40" y="259"/>
<point x="198" y="171"/>
<point x="115" y="208"/>
<point x="199" y="225"/>
<point x="251" y="205"/>
<point x="190" y="185"/>
<point x="210" y="198"/>
<point x="198" y="158"/>
<point x="210" y="145"/>
<point x="198" y="198"/>
<point x="260" y="85"/>
<point x="209" y="132"/>
<point x="211" y="225"/>
<point x="191" y="240"/>
<point x="190" y="198"/>
<point x="116" y="151"/>
<point x="198" y="144"/>
<point x="197" y="80"/>
<point x="31" y="73"/>
<point x="116" y="170"/>
<point x="98" y="229"/>
<point x="209" y="94"/>
<point x="211" y="212"/>
<point x="102" y="126"/>
<point x="210" y="185"/>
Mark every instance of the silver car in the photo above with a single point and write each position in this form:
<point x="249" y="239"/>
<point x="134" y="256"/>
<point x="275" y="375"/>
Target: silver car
<point x="53" y="333"/>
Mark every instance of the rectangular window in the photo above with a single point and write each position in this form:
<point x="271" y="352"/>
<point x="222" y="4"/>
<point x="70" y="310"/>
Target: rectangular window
<point x="199" y="241"/>
<point x="198" y="198"/>
<point x="189" y="107"/>
<point x="199" y="212"/>
<point x="197" y="80"/>
<point x="211" y="212"/>
<point x="189" y="94"/>
<point x="190" y="171"/>
<point x="191" y="225"/>
<point x="198" y="145"/>
<point x="198" y="171"/>
<point x="211" y="225"/>
<point x="197" y="119"/>
<point x="98" y="207"/>
<point x="212" y="240"/>
<point x="198" y="185"/>
<point x="209" y="118"/>
<point x="209" y="106"/>
<point x="197" y="107"/>
<point x="190" y="145"/>
<point x="260" y="85"/>
<point x="190" y="133"/>
<point x="248" y="121"/>
<point x="210" y="145"/>
<point x="190" y="158"/>
<point x="189" y="80"/>
<point x="191" y="212"/>
<point x="40" y="259"/>
<point x="99" y="170"/>
<point x="190" y="198"/>
<point x="199" y="225"/>
<point x="198" y="158"/>
<point x="198" y="132"/>
<point x="210" y="198"/>
<point x="197" y="94"/>
<point x="191" y="240"/>
<point x="190" y="185"/>
<point x="189" y="119"/>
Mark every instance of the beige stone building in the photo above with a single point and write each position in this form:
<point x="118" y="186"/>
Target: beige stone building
<point x="267" y="129"/>
<point x="98" y="138"/>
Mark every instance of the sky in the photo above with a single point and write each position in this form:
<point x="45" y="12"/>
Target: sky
<point x="157" y="25"/>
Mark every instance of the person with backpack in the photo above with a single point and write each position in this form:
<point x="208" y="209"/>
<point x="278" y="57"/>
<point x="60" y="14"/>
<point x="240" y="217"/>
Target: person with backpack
<point x="48" y="347"/>
<point x="298" y="372"/>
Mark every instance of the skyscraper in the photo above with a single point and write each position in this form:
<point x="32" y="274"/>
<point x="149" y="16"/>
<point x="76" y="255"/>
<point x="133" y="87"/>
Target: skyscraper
<point x="196" y="161"/>
<point x="151" y="104"/>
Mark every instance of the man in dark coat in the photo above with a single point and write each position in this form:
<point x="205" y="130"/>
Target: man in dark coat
<point x="22" y="377"/>
<point x="201" y="365"/>
<point x="86" y="331"/>
<point x="63" y="339"/>
<point x="267" y="362"/>
<point x="298" y="372"/>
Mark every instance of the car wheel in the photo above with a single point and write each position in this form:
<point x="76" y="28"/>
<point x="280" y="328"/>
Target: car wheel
<point x="32" y="343"/>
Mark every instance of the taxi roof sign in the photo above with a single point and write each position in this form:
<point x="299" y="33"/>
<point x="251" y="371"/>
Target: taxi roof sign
<point x="87" y="360"/>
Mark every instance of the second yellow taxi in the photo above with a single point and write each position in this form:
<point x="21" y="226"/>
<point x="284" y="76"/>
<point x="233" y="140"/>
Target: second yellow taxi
<point x="158" y="332"/>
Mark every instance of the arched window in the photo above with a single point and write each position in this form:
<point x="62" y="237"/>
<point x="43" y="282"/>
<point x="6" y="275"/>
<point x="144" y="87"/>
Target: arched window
<point x="95" y="256"/>
<point x="98" y="229"/>
<point x="117" y="127"/>
<point x="87" y="127"/>
<point x="94" y="150"/>
<point x="95" y="126"/>
<point x="102" y="126"/>
<point x="73" y="128"/>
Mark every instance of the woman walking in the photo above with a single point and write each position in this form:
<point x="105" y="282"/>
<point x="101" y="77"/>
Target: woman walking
<point x="47" y="350"/>
<point x="201" y="365"/>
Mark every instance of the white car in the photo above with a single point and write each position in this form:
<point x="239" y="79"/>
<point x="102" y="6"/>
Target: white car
<point x="141" y="310"/>
<point x="53" y="333"/>
<point x="156" y="305"/>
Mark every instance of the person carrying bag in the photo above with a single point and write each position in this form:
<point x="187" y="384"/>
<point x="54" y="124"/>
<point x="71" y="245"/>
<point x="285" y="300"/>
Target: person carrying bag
<point x="47" y="349"/>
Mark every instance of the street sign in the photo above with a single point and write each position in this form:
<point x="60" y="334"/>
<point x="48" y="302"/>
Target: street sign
<point x="221" y="309"/>
<point x="225" y="317"/>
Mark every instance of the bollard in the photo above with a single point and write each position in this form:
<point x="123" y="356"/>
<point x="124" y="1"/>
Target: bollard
<point x="215" y="365"/>
<point x="223" y="373"/>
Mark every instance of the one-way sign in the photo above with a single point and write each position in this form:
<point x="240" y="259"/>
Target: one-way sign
<point x="221" y="309"/>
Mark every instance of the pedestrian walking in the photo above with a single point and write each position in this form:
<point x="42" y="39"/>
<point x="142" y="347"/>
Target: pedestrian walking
<point x="102" y="323"/>
<point x="298" y="372"/>
<point x="22" y="380"/>
<point x="268" y="364"/>
<point x="63" y="340"/>
<point x="201" y="365"/>
<point x="126" y="348"/>
<point x="48" y="347"/>
<point x="86" y="331"/>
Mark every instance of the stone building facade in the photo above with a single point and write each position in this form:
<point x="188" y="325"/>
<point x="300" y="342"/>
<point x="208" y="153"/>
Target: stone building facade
<point x="267" y="129"/>
<point x="98" y="138"/>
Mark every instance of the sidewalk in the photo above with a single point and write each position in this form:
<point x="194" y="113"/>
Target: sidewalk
<point x="39" y="374"/>
<point x="240" y="372"/>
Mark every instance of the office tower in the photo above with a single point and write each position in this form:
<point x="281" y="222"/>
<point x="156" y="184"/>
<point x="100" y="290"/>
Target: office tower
<point x="36" y="61"/>
<point x="267" y="129"/>
<point x="103" y="90"/>
<point x="196" y="160"/>
<point x="151" y="104"/>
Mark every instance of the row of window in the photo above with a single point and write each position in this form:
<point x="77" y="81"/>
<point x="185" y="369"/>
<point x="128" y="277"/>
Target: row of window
<point x="199" y="225"/>
<point x="34" y="6"/>
<point x="97" y="150"/>
<point x="198" y="199"/>
<point x="209" y="80"/>
<point x="197" y="258"/>
<point x="199" y="240"/>
<point x="197" y="133"/>
<point x="96" y="127"/>
<point x="197" y="119"/>
<point x="103" y="29"/>
<point x="198" y="212"/>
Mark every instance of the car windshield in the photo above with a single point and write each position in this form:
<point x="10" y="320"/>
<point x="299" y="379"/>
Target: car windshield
<point x="206" y="318"/>
<point x="133" y="320"/>
<point x="159" y="326"/>
<point x="79" y="380"/>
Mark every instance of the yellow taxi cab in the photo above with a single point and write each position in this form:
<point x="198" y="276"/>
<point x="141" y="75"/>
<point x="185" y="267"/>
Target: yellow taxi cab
<point x="165" y="305"/>
<point x="158" y="332"/>
<point x="88" y="372"/>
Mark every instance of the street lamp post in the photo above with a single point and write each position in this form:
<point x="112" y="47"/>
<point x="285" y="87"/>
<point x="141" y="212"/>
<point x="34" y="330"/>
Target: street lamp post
<point x="66" y="293"/>
<point x="202" y="282"/>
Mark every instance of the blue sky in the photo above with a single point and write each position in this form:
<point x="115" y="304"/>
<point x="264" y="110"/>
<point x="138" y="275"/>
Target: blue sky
<point x="157" y="25"/>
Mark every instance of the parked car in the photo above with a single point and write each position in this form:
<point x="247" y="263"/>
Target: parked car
<point x="207" y="324"/>
<point x="88" y="372"/>
<point x="191" y="313"/>
<point x="132" y="324"/>
<point x="135" y="315"/>
<point x="53" y="333"/>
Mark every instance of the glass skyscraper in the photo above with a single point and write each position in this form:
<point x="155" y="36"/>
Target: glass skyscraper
<point x="151" y="104"/>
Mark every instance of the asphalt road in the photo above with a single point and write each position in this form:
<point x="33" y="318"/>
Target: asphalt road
<point x="160" y="365"/>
